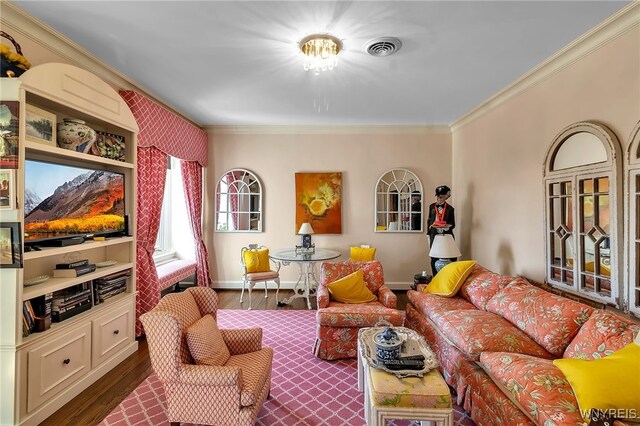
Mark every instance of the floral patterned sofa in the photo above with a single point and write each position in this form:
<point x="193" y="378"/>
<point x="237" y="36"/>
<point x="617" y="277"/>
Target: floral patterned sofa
<point x="338" y="323"/>
<point x="496" y="341"/>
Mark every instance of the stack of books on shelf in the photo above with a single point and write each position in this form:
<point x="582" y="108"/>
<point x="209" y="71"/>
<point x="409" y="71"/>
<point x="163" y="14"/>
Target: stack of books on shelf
<point x="110" y="285"/>
<point x="28" y="318"/>
<point x="36" y="314"/>
<point x="73" y="269"/>
<point x="71" y="301"/>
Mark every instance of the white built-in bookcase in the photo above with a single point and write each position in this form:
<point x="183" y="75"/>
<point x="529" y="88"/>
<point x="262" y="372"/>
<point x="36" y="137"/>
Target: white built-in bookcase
<point x="43" y="371"/>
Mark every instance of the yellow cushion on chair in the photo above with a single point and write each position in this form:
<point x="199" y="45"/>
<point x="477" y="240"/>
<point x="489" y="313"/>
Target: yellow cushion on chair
<point x="351" y="289"/>
<point x="256" y="260"/>
<point x="605" y="383"/>
<point x="362" y="254"/>
<point x="448" y="281"/>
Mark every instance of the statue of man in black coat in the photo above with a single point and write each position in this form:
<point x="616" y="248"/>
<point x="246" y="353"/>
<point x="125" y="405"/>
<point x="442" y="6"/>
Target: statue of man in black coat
<point x="441" y="219"/>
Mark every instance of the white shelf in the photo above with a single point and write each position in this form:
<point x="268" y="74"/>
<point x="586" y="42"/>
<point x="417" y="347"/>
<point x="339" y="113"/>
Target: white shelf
<point x="55" y="284"/>
<point x="61" y="153"/>
<point x="69" y="322"/>
<point x="87" y="245"/>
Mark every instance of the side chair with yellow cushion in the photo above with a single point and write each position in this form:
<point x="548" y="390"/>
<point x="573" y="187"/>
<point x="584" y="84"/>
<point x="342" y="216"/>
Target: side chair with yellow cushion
<point x="210" y="376"/>
<point x="351" y="295"/>
<point x="257" y="268"/>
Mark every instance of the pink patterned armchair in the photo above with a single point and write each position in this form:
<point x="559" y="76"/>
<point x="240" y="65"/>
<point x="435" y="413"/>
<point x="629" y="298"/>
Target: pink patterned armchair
<point x="338" y="323"/>
<point x="232" y="393"/>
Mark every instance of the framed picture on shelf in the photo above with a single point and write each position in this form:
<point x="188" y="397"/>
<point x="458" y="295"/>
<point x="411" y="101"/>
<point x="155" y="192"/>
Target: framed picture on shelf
<point x="40" y="125"/>
<point x="7" y="189"/>
<point x="10" y="245"/>
<point x="9" y="134"/>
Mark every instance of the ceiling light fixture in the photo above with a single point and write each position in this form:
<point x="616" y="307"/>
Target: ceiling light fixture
<point x="320" y="52"/>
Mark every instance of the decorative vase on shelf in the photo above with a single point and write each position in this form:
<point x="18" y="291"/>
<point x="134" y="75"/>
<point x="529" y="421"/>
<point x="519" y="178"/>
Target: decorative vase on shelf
<point x="75" y="135"/>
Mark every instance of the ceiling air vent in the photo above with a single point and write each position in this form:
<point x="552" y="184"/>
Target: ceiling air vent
<point x="382" y="46"/>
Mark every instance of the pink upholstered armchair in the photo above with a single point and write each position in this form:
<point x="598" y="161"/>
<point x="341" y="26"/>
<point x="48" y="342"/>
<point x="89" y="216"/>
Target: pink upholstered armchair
<point x="338" y="323"/>
<point x="232" y="393"/>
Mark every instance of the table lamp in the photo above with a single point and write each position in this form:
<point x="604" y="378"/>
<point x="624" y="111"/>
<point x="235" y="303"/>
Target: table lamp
<point x="443" y="248"/>
<point x="306" y="230"/>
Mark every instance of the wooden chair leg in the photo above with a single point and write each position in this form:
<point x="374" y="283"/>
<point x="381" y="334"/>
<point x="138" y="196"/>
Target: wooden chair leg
<point x="175" y="423"/>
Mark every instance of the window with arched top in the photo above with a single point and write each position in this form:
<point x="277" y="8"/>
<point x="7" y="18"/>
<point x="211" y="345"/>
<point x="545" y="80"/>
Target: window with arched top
<point x="239" y="202"/>
<point x="633" y="212"/>
<point x="398" y="202"/>
<point x="583" y="208"/>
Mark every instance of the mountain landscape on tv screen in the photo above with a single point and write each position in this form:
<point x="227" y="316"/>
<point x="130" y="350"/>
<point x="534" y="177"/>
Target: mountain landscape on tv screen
<point x="89" y="203"/>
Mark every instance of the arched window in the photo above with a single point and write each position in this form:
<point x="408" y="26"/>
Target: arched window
<point x="583" y="223"/>
<point x="633" y="230"/>
<point x="239" y="202"/>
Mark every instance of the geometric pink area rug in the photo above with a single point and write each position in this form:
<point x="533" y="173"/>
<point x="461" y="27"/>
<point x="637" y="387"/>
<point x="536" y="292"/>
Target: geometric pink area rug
<point x="305" y="390"/>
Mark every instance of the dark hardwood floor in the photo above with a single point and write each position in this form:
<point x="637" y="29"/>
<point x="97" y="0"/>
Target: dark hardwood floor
<point x="98" y="400"/>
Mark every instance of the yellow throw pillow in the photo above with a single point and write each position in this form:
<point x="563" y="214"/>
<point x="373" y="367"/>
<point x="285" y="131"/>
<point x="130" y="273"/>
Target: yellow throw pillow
<point x="448" y="281"/>
<point x="605" y="383"/>
<point x="257" y="260"/>
<point x="362" y="254"/>
<point x="351" y="289"/>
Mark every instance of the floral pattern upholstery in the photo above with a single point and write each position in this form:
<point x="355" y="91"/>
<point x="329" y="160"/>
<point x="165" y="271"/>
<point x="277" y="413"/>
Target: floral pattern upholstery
<point x="428" y="303"/>
<point x="486" y="403"/>
<point x="450" y="359"/>
<point x="358" y="315"/>
<point x="338" y="323"/>
<point x="479" y="396"/>
<point x="429" y="391"/>
<point x="521" y="386"/>
<point x="603" y="334"/>
<point x="551" y="320"/>
<point x="232" y="393"/>
<point x="536" y="385"/>
<point x="481" y="285"/>
<point x="475" y="331"/>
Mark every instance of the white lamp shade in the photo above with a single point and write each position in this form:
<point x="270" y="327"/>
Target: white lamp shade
<point x="305" y="229"/>
<point x="444" y="246"/>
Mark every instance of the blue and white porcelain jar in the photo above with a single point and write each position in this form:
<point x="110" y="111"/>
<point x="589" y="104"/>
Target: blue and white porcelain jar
<point x="388" y="344"/>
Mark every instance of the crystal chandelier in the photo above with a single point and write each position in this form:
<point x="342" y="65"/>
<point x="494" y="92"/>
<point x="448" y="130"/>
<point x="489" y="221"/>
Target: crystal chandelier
<point x="320" y="52"/>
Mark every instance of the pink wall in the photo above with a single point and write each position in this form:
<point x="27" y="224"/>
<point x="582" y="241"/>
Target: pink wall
<point x="498" y="157"/>
<point x="361" y="155"/>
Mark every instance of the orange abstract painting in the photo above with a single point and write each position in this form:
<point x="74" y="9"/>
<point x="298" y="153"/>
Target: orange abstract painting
<point x="319" y="202"/>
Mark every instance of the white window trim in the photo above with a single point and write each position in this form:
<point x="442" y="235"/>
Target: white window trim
<point x="612" y="168"/>
<point x="632" y="272"/>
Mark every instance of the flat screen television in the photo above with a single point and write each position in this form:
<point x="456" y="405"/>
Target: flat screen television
<point x="64" y="201"/>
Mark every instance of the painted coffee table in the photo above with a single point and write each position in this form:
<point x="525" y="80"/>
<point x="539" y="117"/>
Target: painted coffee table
<point x="387" y="396"/>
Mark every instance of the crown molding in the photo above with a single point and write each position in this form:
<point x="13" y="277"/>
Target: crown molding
<point x="15" y="20"/>
<point x="616" y="25"/>
<point x="329" y="129"/>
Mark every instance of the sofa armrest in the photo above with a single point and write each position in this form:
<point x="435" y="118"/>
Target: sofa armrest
<point x="242" y="340"/>
<point x="323" y="297"/>
<point x="386" y="297"/>
<point x="209" y="375"/>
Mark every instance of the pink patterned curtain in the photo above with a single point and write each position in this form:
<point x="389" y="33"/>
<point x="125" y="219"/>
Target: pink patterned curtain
<point x="192" y="181"/>
<point x="161" y="133"/>
<point x="152" y="172"/>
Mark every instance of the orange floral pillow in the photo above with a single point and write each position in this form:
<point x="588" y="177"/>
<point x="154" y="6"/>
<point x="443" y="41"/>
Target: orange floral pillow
<point x="602" y="334"/>
<point x="482" y="284"/>
<point x="551" y="320"/>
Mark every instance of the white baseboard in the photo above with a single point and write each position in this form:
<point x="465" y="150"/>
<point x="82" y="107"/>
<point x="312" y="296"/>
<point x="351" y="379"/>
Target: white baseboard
<point x="237" y="285"/>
